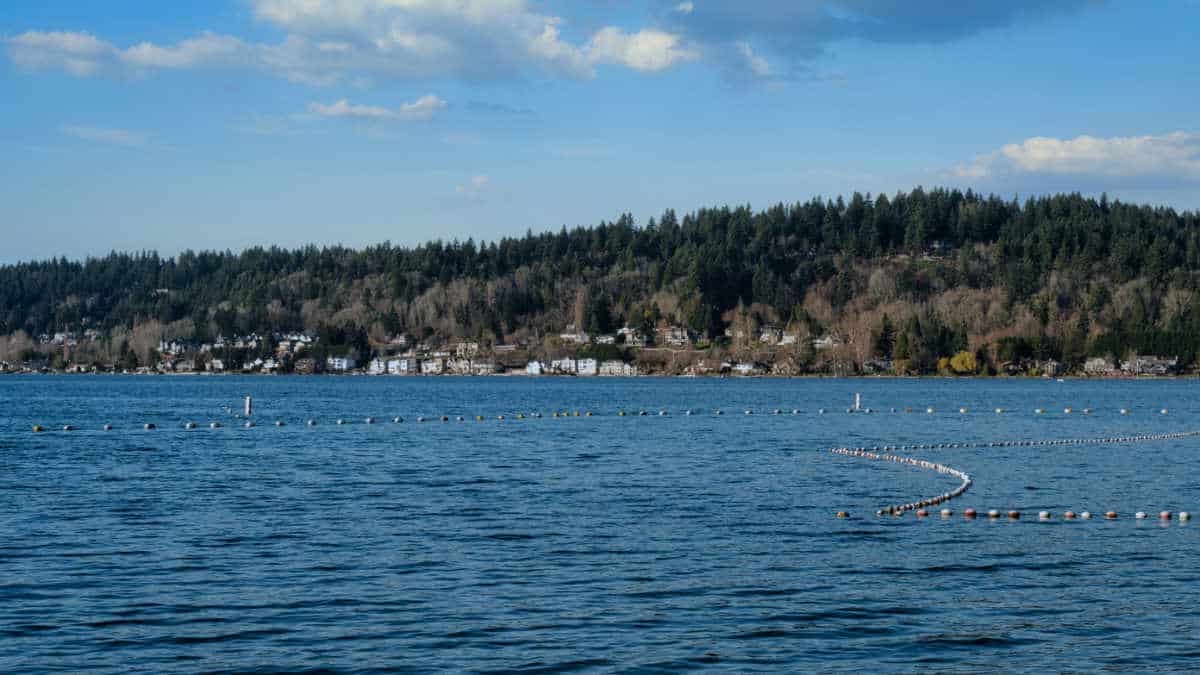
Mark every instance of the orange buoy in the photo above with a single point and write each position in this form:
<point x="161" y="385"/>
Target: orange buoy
<point x="921" y="513"/>
<point x="843" y="514"/>
<point x="1068" y="515"/>
<point x="1014" y="515"/>
<point x="1165" y="515"/>
<point x="969" y="513"/>
<point x="1111" y="515"/>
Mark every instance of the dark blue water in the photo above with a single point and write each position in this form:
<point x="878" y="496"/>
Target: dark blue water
<point x="607" y="543"/>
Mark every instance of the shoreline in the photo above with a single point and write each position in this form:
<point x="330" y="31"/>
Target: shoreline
<point x="812" y="376"/>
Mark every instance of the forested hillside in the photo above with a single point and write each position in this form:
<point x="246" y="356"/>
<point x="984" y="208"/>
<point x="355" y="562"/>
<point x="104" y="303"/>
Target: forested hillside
<point x="912" y="278"/>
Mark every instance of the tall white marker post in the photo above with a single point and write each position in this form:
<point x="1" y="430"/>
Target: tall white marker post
<point x="249" y="406"/>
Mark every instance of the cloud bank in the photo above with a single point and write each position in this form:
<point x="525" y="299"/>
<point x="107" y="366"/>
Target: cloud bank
<point x="422" y="109"/>
<point x="1170" y="157"/>
<point x="326" y="41"/>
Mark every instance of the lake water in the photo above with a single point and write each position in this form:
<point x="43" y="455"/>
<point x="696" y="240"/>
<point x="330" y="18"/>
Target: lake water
<point x="603" y="543"/>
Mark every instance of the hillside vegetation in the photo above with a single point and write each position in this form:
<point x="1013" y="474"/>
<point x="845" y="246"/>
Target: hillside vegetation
<point x="919" y="282"/>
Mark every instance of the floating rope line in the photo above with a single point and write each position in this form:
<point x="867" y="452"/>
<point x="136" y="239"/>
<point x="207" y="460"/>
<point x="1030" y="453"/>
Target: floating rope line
<point x="884" y="454"/>
<point x="898" y="509"/>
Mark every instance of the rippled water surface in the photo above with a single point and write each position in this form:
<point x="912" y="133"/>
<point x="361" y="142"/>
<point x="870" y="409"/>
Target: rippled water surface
<point x="600" y="543"/>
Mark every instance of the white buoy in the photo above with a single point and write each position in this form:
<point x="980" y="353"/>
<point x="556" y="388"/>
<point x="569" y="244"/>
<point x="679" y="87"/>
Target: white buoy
<point x="962" y="411"/>
<point x="930" y="410"/>
<point x="370" y="420"/>
<point x="1124" y="411"/>
<point x="278" y="423"/>
<point x="68" y="427"/>
<point x="1037" y="411"/>
<point x="107" y="427"/>
<point x="999" y="411"/>
<point x="189" y="425"/>
<point x="1163" y="411"/>
<point x="1184" y="515"/>
<point x="1086" y="515"/>
<point x="149" y="426"/>
<point x="397" y="420"/>
<point x="214" y="425"/>
<point x="1043" y="515"/>
<point x="312" y="423"/>
<point x="1140" y="515"/>
<point x="340" y="421"/>
<point x="249" y="424"/>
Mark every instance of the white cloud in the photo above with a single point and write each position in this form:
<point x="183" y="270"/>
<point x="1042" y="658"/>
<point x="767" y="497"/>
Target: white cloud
<point x="80" y="54"/>
<point x="645" y="50"/>
<point x="208" y="49"/>
<point x="474" y="188"/>
<point x="326" y="41"/>
<point x="685" y="7"/>
<point x="755" y="64"/>
<point x="1175" y="155"/>
<point x="124" y="137"/>
<point x="422" y="109"/>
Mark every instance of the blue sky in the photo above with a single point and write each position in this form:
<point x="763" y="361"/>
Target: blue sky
<point x="136" y="125"/>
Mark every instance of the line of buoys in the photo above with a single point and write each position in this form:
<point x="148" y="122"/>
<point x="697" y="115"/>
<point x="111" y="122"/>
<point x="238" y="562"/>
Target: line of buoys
<point x="776" y="411"/>
<point x="899" y="509"/>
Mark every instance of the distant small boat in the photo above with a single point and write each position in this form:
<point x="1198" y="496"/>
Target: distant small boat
<point x="1061" y="380"/>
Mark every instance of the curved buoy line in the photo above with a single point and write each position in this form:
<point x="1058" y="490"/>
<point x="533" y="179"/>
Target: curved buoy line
<point x="898" y="509"/>
<point x="884" y="454"/>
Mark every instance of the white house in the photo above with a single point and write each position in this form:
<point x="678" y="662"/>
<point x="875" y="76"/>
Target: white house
<point x="340" y="364"/>
<point x="433" y="366"/>
<point x="534" y="368"/>
<point x="215" y="366"/>
<point x="563" y="365"/>
<point x="585" y="367"/>
<point x="618" y="369"/>
<point x="377" y="367"/>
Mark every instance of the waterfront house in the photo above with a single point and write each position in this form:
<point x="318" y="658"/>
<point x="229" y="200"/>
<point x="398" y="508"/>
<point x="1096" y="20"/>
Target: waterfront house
<point x="534" y="368"/>
<point x="434" y="366"/>
<point x="1150" y="365"/>
<point x="585" y="367"/>
<point x="483" y="368"/>
<point x="340" y="364"/>
<point x="1098" y="366"/>
<point x="617" y="369"/>
<point x="377" y="366"/>
<point x="563" y="366"/>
